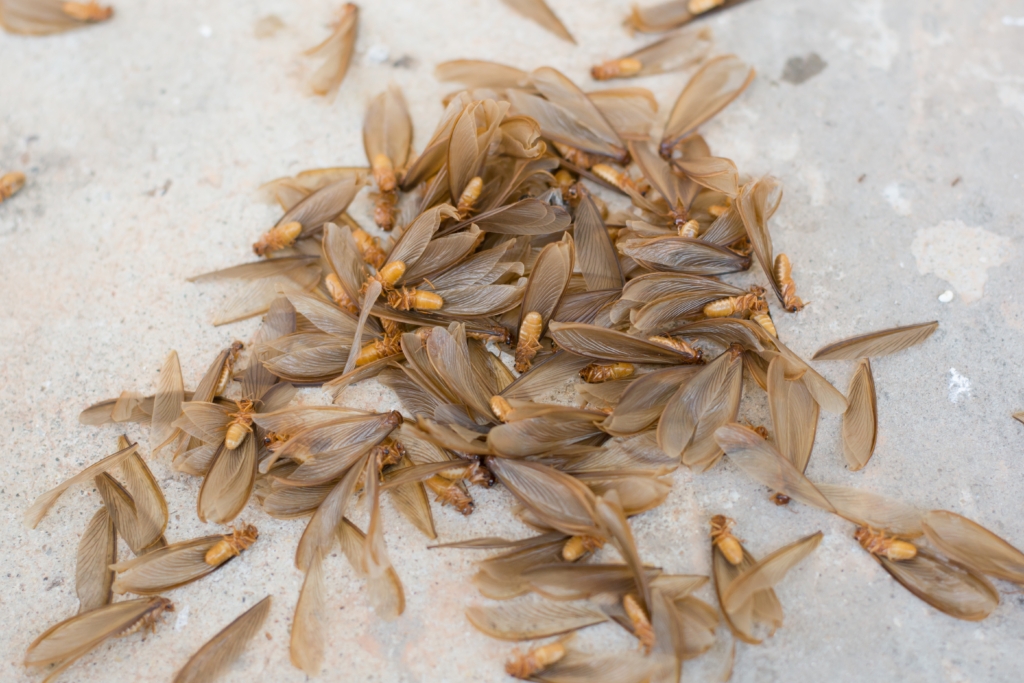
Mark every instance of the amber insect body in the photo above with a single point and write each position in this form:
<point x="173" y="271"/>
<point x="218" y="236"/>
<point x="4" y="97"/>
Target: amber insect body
<point x="580" y="546"/>
<point x="642" y="628"/>
<point x="231" y="546"/>
<point x="87" y="11"/>
<point x="878" y="543"/>
<point x="10" y="183"/>
<point x="525" y="665"/>
<point x="529" y="340"/>
<point x="596" y="373"/>
<point x="277" y="238"/>
<point x="414" y="299"/>
<point x="784" y="276"/>
<point x="240" y="426"/>
<point x="721" y="536"/>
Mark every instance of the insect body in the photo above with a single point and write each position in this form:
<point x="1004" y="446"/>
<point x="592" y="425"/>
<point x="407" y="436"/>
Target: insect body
<point x="642" y="628"/>
<point x="380" y="348"/>
<point x="617" y="68"/>
<point x="277" y="238"/>
<point x="526" y="665"/>
<point x="596" y="372"/>
<point x="579" y="546"/>
<point x="529" y="340"/>
<point x="414" y="299"/>
<point x="890" y="547"/>
<point x="231" y="546"/>
<point x="784" y="277"/>
<point x="240" y="426"/>
<point x="721" y="536"/>
<point x="10" y="183"/>
<point x="470" y="195"/>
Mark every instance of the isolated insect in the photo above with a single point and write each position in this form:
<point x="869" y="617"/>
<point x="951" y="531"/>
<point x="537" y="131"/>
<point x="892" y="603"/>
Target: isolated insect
<point x="10" y="183"/>
<point x="722" y="538"/>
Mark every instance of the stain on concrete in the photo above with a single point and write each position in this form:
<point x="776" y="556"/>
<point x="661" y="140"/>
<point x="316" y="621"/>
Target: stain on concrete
<point x="800" y="69"/>
<point x="961" y="255"/>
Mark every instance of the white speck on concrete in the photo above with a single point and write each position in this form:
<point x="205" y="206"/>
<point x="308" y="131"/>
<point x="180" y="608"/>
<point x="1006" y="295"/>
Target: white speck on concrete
<point x="378" y="54"/>
<point x="205" y="31"/>
<point x="961" y="255"/>
<point x="958" y="386"/>
<point x="1013" y="21"/>
<point x="182" y="619"/>
<point x="896" y="621"/>
<point x="896" y="199"/>
<point x="946" y="296"/>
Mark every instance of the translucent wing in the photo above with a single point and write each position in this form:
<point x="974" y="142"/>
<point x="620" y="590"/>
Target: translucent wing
<point x="539" y="12"/>
<point x="558" y="499"/>
<point x="387" y="128"/>
<point x="710" y="90"/>
<point x="860" y="421"/>
<point x="169" y="567"/>
<point x="474" y="73"/>
<point x="644" y="401"/>
<point x="872" y="510"/>
<point x="875" y="344"/>
<point x="43" y="503"/>
<point x="554" y="372"/>
<point x="768" y="572"/>
<point x="324" y="205"/>
<point x="794" y="415"/>
<point x="526" y="217"/>
<point x="319" y="536"/>
<point x="544" y="433"/>
<point x="97" y="550"/>
<point x="71" y="638"/>
<point x="224" y="648"/>
<point x="611" y="345"/>
<point x="414" y="240"/>
<point x="697" y="400"/>
<point x="763" y="463"/>
<point x="683" y="255"/>
<point x="973" y="545"/>
<point x="613" y="519"/>
<point x="581" y="125"/>
<point x="336" y="51"/>
<point x="672" y="53"/>
<point x="170" y="392"/>
<point x="548" y="280"/>
<point x="598" y="262"/>
<point x="411" y="500"/>
<point x="307" y="641"/>
<point x="952" y="589"/>
<point x="629" y="111"/>
<point x="528" y="620"/>
<point x="228" y="484"/>
<point x="43" y="17"/>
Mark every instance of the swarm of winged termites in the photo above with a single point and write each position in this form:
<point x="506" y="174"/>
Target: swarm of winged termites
<point x="504" y="278"/>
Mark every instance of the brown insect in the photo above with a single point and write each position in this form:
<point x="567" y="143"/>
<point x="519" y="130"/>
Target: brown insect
<point x="641" y="623"/>
<point x="368" y="248"/>
<point x="615" y="177"/>
<point x="240" y="425"/>
<point x="722" y="538"/>
<point x="10" y="183"/>
<point x="87" y="11"/>
<point x="877" y="543"/>
<point x="597" y="372"/>
<point x="525" y="665"/>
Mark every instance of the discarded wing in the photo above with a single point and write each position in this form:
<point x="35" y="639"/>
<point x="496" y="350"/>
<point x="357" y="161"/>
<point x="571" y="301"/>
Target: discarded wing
<point x="876" y="344"/>
<point x="220" y="651"/>
<point x="42" y="17"/>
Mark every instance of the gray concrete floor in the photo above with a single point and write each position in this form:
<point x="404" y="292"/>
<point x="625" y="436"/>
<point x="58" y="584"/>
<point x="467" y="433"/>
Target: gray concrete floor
<point x="145" y="139"/>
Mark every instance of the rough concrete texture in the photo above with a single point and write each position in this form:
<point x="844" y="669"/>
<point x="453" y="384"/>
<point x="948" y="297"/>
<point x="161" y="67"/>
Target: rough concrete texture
<point x="145" y="140"/>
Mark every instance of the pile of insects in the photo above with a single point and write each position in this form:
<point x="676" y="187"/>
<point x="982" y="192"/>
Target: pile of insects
<point x="494" y="277"/>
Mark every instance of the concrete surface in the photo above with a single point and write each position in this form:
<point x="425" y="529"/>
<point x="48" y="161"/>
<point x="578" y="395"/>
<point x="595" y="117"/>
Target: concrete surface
<point x="145" y="139"/>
